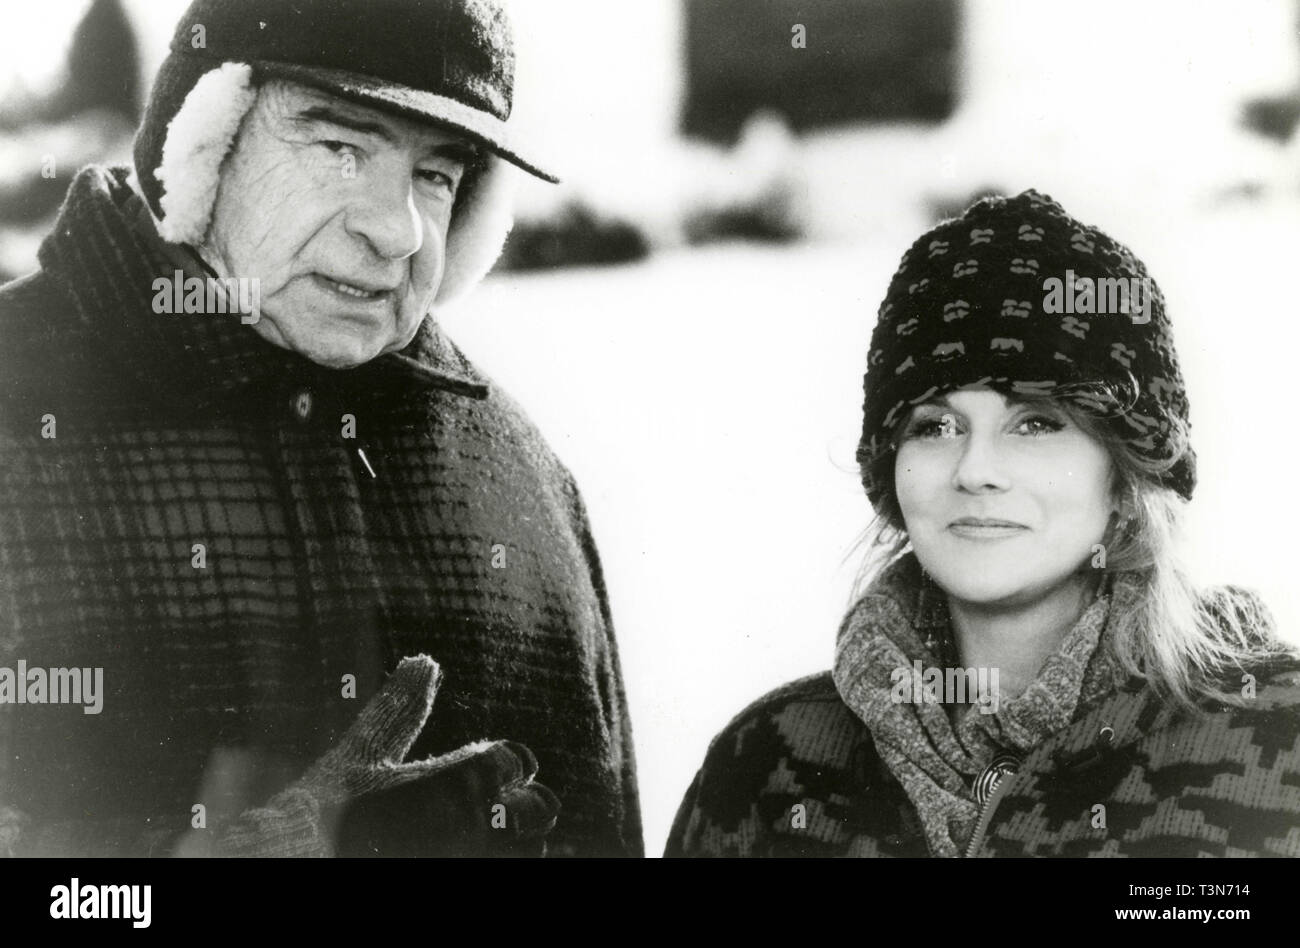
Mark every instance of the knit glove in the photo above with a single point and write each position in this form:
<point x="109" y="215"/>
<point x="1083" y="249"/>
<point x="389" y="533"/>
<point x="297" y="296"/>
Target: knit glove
<point x="360" y="799"/>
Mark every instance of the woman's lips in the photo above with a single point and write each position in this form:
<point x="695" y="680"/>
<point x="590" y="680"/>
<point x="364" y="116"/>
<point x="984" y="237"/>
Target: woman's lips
<point x="972" y="528"/>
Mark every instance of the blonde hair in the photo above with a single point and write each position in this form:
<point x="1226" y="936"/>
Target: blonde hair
<point x="1191" y="645"/>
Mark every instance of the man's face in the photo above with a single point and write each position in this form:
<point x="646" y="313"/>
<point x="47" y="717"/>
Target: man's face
<point x="341" y="212"/>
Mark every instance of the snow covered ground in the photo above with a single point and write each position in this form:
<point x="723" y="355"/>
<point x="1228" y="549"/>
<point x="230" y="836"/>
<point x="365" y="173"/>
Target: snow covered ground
<point x="708" y="402"/>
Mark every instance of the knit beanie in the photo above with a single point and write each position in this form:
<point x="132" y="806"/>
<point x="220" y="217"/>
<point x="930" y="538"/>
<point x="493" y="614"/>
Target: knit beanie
<point x="448" y="63"/>
<point x="1017" y="295"/>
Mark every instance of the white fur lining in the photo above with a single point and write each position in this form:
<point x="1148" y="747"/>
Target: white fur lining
<point x="198" y="140"/>
<point x="480" y="229"/>
<point x="203" y="132"/>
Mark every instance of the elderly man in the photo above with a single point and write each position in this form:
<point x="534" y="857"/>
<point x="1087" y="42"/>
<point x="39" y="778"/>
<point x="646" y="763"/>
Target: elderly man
<point x="257" y="511"/>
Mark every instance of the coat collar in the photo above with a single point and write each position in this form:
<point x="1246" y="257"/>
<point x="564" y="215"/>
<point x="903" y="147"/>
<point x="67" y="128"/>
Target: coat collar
<point x="106" y="254"/>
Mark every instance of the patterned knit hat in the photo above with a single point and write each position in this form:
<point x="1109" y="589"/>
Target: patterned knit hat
<point x="1017" y="295"/>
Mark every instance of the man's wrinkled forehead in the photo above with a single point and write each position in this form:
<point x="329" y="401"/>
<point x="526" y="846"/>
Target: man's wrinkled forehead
<point x="302" y="108"/>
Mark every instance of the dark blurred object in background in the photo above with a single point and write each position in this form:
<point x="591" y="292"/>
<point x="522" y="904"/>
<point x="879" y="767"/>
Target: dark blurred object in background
<point x="755" y="191"/>
<point x="760" y="221"/>
<point x="865" y="61"/>
<point x="574" y="236"/>
<point x="102" y="73"/>
<point x="89" y="117"/>
<point x="758" y="191"/>
<point x="1275" y="116"/>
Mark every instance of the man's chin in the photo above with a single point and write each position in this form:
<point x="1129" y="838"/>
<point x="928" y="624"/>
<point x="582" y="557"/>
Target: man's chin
<point x="343" y="343"/>
<point x="341" y="352"/>
<point x="333" y="350"/>
<point x="341" y="357"/>
<point x="336" y="362"/>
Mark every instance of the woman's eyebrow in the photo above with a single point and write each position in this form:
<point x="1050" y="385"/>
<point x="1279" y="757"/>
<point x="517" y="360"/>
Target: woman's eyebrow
<point x="939" y="401"/>
<point x="1046" y="405"/>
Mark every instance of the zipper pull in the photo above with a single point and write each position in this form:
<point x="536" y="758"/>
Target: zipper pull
<point x="983" y="786"/>
<point x="986" y="789"/>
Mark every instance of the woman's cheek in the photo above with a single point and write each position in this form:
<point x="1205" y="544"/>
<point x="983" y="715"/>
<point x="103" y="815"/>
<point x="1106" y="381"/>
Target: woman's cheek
<point x="921" y="477"/>
<point x="905" y="485"/>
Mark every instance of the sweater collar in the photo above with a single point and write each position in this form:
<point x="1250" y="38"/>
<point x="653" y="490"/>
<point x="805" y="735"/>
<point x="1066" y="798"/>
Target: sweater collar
<point x="106" y="254"/>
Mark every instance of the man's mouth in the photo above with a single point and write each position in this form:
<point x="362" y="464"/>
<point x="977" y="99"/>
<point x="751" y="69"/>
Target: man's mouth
<point x="359" y="292"/>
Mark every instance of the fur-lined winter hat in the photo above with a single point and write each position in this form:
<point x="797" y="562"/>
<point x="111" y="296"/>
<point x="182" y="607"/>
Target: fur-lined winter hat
<point x="1017" y="295"/>
<point x="446" y="62"/>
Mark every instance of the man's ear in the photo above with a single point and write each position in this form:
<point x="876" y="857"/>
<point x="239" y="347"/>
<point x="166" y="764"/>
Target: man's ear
<point x="198" y="140"/>
<point x="479" y="229"/>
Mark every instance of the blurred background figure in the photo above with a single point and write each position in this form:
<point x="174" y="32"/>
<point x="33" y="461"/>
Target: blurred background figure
<point x="67" y="102"/>
<point x="686" y="317"/>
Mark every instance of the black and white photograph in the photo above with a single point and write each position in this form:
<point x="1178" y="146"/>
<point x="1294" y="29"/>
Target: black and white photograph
<point x="667" y="428"/>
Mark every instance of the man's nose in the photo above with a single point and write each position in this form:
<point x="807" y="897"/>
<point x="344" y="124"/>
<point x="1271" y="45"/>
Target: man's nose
<point x="384" y="214"/>
<point x="980" y="466"/>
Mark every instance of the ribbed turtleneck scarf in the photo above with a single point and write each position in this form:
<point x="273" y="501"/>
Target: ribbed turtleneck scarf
<point x="902" y="618"/>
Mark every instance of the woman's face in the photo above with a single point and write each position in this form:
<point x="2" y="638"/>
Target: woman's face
<point x="1002" y="500"/>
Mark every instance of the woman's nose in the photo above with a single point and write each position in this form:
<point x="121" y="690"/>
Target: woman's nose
<point x="979" y="466"/>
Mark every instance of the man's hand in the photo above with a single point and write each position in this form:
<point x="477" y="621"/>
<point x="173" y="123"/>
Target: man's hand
<point x="478" y="800"/>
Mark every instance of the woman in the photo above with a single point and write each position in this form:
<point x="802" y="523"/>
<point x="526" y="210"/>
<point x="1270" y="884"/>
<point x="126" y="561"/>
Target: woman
<point x="1029" y="672"/>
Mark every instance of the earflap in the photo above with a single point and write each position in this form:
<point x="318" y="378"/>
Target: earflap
<point x="197" y="142"/>
<point x="479" y="229"/>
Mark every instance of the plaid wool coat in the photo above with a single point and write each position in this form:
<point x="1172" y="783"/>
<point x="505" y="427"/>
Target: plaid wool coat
<point x="184" y="506"/>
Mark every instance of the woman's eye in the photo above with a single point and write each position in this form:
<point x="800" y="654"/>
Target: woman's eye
<point x="1039" y="424"/>
<point x="944" y="426"/>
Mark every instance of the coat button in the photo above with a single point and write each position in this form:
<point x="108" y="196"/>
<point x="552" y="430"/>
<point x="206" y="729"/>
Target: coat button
<point x="302" y="405"/>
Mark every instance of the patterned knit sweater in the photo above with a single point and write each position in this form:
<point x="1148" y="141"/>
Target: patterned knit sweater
<point x="822" y="767"/>
<point x="230" y="532"/>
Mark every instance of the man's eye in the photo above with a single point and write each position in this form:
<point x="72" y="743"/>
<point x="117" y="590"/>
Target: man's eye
<point x="338" y="147"/>
<point x="437" y="179"/>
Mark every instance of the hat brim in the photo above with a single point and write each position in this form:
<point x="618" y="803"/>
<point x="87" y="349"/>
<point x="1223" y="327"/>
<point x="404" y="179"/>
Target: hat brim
<point x="486" y="129"/>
